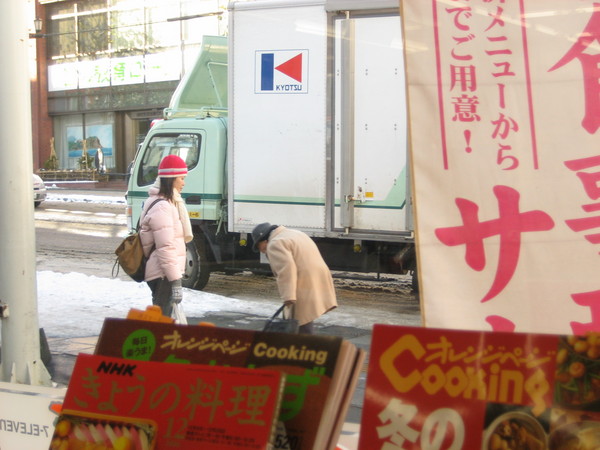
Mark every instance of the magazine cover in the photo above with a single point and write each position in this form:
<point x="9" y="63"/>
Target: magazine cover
<point x="437" y="388"/>
<point x="310" y="402"/>
<point x="118" y="404"/>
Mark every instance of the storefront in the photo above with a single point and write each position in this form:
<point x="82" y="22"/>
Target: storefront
<point x="110" y="68"/>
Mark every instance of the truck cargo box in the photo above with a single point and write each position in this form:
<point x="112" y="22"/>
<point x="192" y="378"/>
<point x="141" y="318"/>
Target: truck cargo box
<point x="317" y="124"/>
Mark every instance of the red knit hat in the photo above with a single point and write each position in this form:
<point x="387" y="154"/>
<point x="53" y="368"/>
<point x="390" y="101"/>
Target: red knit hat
<point x="172" y="166"/>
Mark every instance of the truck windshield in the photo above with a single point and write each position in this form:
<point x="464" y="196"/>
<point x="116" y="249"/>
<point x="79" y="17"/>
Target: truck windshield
<point x="185" y="145"/>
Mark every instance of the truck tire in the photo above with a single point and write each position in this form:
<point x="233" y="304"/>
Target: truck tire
<point x="197" y="268"/>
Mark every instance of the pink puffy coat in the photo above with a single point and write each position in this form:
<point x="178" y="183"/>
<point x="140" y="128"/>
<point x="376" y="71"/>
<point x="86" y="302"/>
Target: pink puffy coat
<point x="301" y="273"/>
<point x="161" y="226"/>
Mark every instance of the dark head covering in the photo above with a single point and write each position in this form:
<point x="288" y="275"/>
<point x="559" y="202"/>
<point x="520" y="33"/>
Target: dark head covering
<point x="260" y="233"/>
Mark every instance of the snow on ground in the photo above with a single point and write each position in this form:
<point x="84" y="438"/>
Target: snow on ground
<point x="75" y="305"/>
<point x="57" y="195"/>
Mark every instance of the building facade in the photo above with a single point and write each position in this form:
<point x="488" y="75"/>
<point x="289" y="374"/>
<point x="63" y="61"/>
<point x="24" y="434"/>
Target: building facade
<point x="106" y="68"/>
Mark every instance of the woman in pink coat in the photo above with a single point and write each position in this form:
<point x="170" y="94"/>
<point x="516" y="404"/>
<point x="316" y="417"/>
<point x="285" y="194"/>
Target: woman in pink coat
<point x="165" y="229"/>
<point x="303" y="278"/>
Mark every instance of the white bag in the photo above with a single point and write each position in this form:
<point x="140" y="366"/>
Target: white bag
<point x="178" y="314"/>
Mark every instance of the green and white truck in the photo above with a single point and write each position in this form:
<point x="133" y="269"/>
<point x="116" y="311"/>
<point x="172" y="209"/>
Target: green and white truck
<point x="298" y="118"/>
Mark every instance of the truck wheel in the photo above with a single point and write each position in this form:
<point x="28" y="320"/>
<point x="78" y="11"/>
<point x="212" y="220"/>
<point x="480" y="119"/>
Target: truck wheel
<point x="197" y="269"/>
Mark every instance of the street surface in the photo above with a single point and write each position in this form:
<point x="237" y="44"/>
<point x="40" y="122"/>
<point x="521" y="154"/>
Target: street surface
<point x="80" y="236"/>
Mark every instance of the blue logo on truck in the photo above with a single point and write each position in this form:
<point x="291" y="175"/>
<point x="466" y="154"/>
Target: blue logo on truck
<point x="281" y="72"/>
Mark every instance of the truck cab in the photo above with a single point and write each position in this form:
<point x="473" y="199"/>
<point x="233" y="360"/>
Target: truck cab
<point x="194" y="127"/>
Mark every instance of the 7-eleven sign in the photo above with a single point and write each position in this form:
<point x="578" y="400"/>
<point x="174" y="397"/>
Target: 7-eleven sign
<point x="281" y="72"/>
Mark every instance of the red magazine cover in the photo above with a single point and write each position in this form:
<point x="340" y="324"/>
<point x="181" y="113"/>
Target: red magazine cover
<point x="118" y="404"/>
<point x="320" y="371"/>
<point x="438" y="388"/>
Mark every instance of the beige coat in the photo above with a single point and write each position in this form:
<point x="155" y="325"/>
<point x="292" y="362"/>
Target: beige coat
<point x="301" y="273"/>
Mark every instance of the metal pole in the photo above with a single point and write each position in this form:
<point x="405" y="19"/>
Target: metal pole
<point x="347" y="123"/>
<point x="21" y="361"/>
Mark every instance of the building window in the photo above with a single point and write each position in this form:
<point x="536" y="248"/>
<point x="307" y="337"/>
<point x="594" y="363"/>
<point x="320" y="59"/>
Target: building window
<point x="92" y="27"/>
<point x="112" y="27"/>
<point x="128" y="27"/>
<point x="77" y="135"/>
<point x="106" y="43"/>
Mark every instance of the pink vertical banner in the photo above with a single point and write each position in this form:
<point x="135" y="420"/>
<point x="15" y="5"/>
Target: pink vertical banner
<point x="506" y="186"/>
<point x="475" y="64"/>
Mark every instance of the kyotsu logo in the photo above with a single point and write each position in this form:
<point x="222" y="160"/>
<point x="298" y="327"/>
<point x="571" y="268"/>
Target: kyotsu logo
<point x="281" y="72"/>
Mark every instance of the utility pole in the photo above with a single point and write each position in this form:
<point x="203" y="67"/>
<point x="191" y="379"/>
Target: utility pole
<point x="20" y="344"/>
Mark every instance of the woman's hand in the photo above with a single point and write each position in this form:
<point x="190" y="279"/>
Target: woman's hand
<point x="176" y="291"/>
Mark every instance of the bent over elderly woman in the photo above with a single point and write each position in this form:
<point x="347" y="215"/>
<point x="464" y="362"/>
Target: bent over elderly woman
<point x="303" y="279"/>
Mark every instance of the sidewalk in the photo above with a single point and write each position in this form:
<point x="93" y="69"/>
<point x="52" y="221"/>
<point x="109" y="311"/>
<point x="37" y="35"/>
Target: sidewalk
<point x="119" y="185"/>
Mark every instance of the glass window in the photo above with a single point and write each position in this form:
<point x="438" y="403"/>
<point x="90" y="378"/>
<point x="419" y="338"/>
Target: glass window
<point x="193" y="30"/>
<point x="187" y="146"/>
<point x="111" y="43"/>
<point x="127" y="26"/>
<point x="62" y="45"/>
<point x="93" y="33"/>
<point x="99" y="133"/>
<point x="161" y="33"/>
<point x="92" y="5"/>
<point x="61" y="28"/>
<point x="68" y="133"/>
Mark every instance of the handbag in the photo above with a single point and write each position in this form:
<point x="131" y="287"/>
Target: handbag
<point x="178" y="314"/>
<point x="130" y="254"/>
<point x="282" y="324"/>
